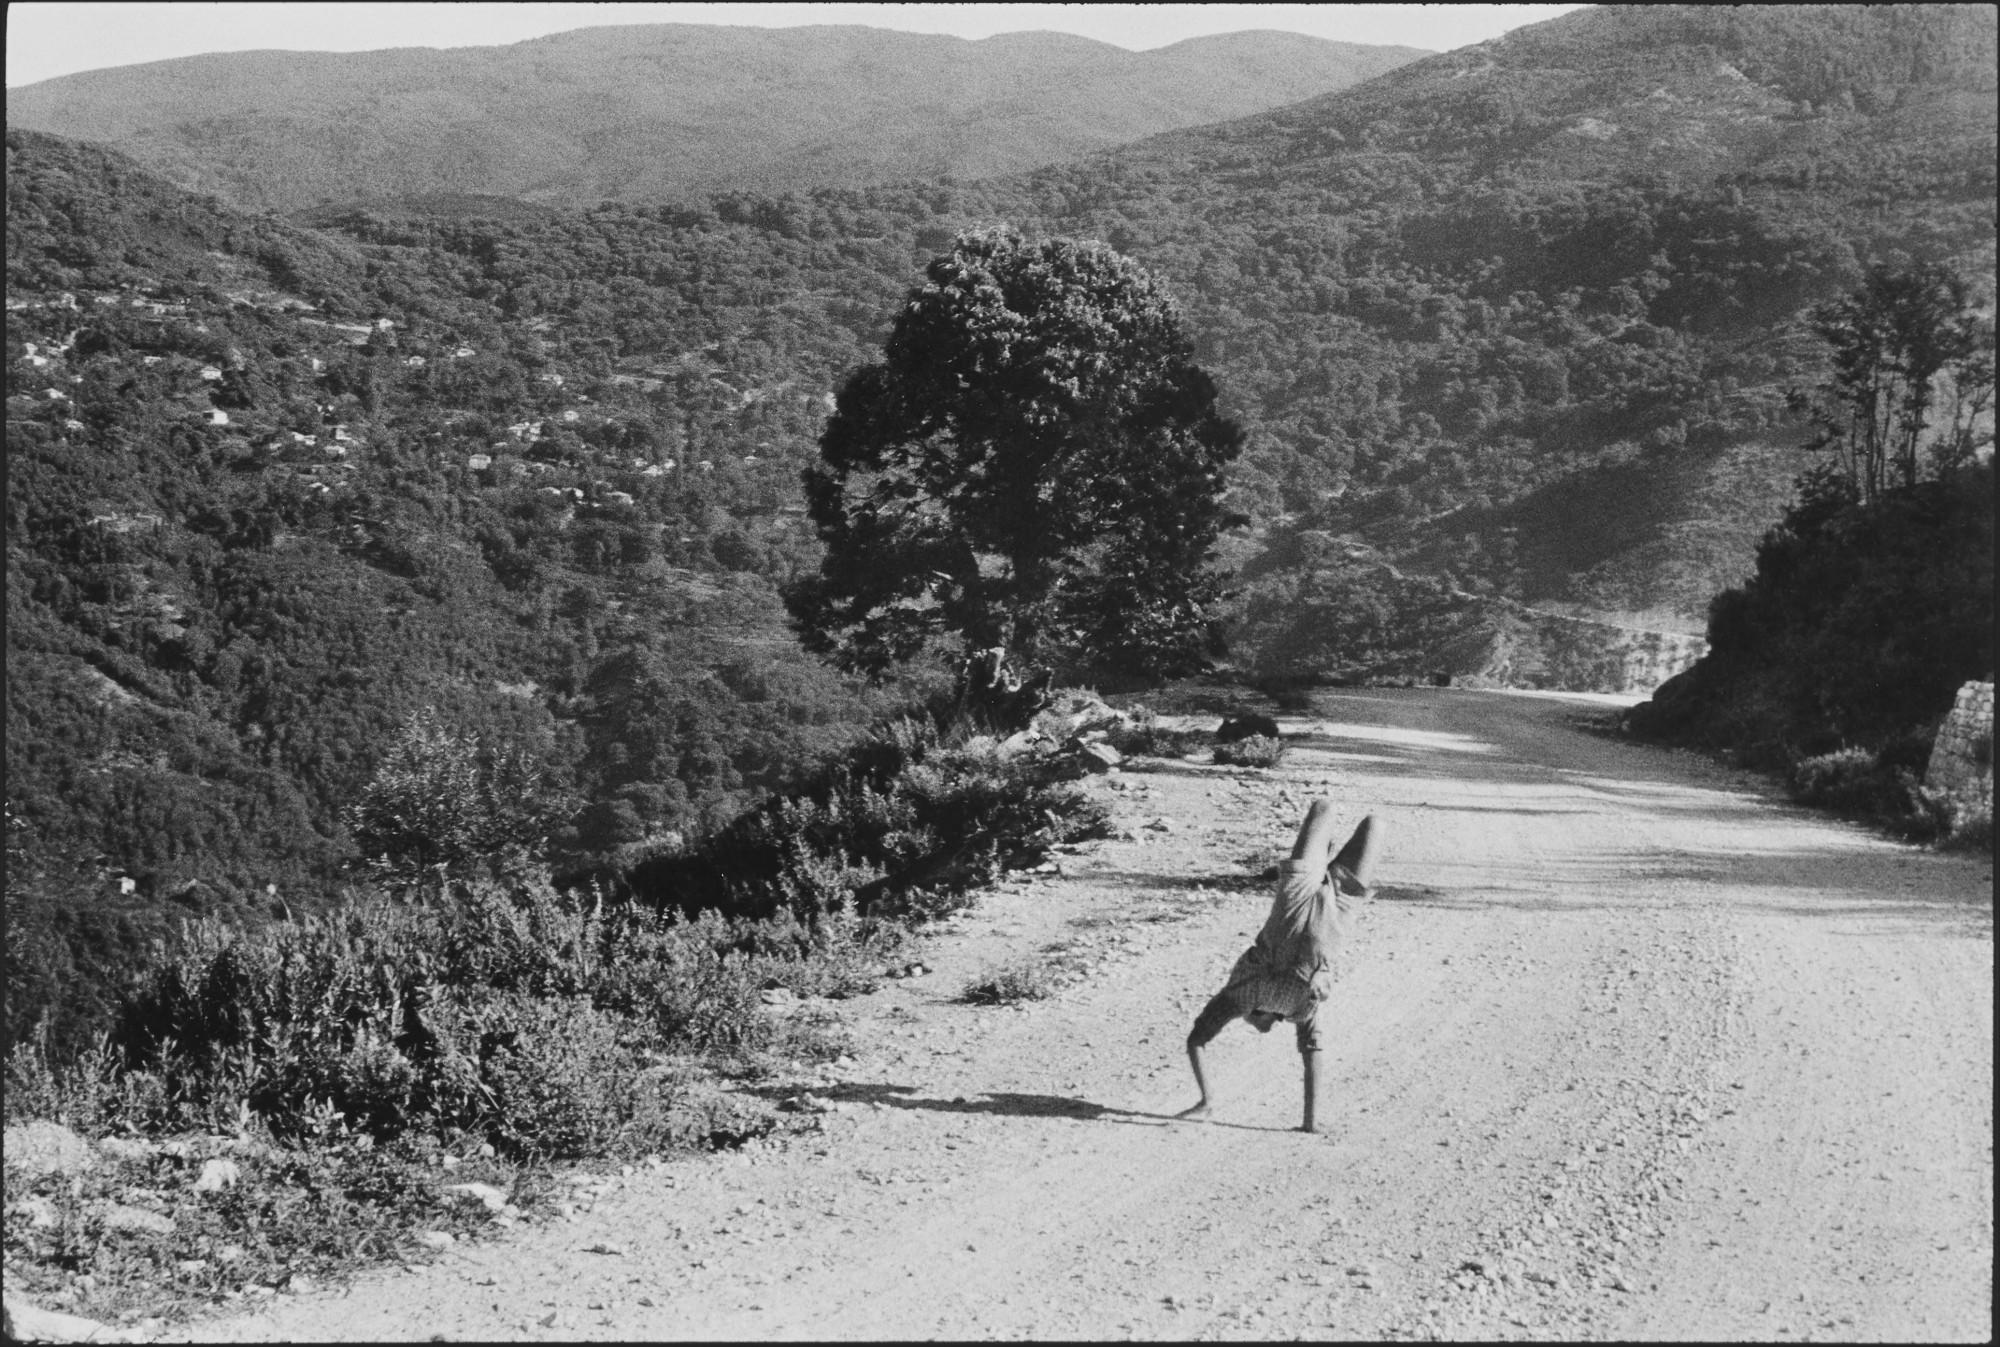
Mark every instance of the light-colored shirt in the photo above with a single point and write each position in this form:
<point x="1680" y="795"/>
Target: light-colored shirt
<point x="1311" y="917"/>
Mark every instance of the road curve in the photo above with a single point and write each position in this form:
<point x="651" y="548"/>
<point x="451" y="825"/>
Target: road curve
<point x="1625" y="1048"/>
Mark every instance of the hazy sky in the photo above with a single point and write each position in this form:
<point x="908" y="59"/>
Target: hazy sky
<point x="47" y="38"/>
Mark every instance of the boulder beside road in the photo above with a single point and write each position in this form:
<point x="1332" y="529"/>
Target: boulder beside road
<point x="25" y="1322"/>
<point x="40" y="1147"/>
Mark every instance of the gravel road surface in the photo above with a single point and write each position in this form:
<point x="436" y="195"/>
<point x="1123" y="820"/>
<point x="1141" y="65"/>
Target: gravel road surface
<point x="1626" y="1047"/>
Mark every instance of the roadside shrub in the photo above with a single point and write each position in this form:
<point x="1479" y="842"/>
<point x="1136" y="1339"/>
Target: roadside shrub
<point x="694" y="991"/>
<point x="88" y="1093"/>
<point x="905" y="825"/>
<point x="521" y="935"/>
<point x="840" y="955"/>
<point x="501" y="1014"/>
<point x="1025" y="979"/>
<point x="1145" y="737"/>
<point x="1849" y="780"/>
<point x="564" y="1078"/>
<point x="1858" y="783"/>
<point x="514" y="1013"/>
<point x="1257" y="750"/>
<point x="1860" y="624"/>
<point x="278" y="1019"/>
<point x="444" y="803"/>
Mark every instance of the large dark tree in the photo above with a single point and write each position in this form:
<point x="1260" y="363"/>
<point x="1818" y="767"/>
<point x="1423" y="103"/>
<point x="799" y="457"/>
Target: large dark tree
<point x="1036" y="463"/>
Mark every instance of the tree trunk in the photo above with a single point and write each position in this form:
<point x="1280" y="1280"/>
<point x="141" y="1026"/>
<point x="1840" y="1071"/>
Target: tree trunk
<point x="994" y="700"/>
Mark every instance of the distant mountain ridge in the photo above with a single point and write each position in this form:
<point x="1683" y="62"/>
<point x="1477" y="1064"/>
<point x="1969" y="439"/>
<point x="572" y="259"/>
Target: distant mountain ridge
<point x="665" y="111"/>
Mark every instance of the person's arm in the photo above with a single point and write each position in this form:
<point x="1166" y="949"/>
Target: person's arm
<point x="1202" y="1106"/>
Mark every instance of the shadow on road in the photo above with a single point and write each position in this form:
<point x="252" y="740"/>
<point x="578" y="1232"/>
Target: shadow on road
<point x="1003" y="1103"/>
<point x="1556" y="769"/>
<point x="1822" y="887"/>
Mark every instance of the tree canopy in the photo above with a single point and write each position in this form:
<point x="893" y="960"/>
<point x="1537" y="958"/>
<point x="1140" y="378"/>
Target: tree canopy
<point x="1912" y="369"/>
<point x="1872" y="600"/>
<point x="1037" y="463"/>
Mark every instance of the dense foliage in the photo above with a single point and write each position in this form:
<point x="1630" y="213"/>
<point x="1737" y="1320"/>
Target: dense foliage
<point x="1036" y="464"/>
<point x="419" y="498"/>
<point x="496" y="1007"/>
<point x="1517" y="322"/>
<point x="367" y="1051"/>
<point x="1872" y="601"/>
<point x="1912" y="382"/>
<point x="1861" y="623"/>
<point x="909" y="823"/>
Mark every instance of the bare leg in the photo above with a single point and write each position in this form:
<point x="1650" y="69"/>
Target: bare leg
<point x="1315" y="838"/>
<point x="1311" y="1061"/>
<point x="1200" y="1110"/>
<point x="1358" y="856"/>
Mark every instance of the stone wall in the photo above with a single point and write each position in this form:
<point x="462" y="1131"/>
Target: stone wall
<point x="1962" y="758"/>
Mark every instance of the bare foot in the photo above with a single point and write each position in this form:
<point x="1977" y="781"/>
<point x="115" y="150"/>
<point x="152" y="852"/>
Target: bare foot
<point x="1199" y="1113"/>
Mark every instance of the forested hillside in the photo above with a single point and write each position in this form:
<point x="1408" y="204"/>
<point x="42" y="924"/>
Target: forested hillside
<point x="1526" y="313"/>
<point x="270" y="492"/>
<point x="1511" y="325"/>
<point x="651" y="112"/>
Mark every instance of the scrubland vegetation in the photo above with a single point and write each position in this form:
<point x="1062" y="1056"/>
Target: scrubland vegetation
<point x="1872" y="601"/>
<point x="490" y="1023"/>
<point x="408" y="756"/>
<point x="1257" y="750"/>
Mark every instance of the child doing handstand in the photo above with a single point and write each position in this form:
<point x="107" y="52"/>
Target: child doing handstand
<point x="1289" y="970"/>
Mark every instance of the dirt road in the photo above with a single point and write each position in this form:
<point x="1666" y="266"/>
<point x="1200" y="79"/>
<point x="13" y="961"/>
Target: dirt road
<point x="1625" y="1048"/>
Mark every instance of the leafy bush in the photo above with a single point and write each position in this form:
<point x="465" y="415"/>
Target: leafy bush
<point x="564" y="1078"/>
<point x="1025" y="979"/>
<point x="1849" y="779"/>
<point x="513" y="1013"/>
<point x="88" y="1093"/>
<point x="443" y="801"/>
<point x="1868" y="784"/>
<point x="1257" y="750"/>
<point x="1144" y="736"/>
<point x="907" y="823"/>
<point x="1860" y="625"/>
<point x="505" y="1015"/>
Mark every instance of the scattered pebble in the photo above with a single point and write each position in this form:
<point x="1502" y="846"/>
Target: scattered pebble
<point x="39" y="1211"/>
<point x="483" y="1193"/>
<point x="117" y="1216"/>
